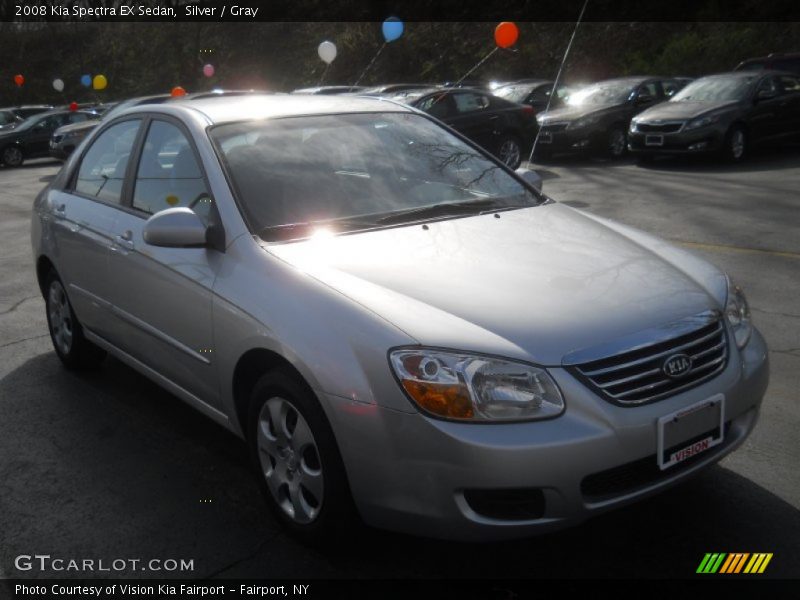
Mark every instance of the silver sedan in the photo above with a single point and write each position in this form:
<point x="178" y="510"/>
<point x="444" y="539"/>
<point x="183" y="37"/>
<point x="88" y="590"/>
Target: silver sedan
<point x="401" y="328"/>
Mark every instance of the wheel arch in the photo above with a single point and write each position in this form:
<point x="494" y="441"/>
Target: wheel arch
<point x="43" y="266"/>
<point x="248" y="370"/>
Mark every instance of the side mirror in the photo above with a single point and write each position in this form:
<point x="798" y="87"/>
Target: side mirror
<point x="766" y="94"/>
<point x="532" y="178"/>
<point x="176" y="227"/>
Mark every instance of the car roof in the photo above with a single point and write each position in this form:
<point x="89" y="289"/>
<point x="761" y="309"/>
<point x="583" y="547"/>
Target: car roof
<point x="232" y="109"/>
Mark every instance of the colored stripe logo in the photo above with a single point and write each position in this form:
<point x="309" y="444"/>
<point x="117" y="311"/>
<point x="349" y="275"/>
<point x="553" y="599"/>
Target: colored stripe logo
<point x="734" y="563"/>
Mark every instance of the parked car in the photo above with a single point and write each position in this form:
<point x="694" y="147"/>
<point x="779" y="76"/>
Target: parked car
<point x="777" y="61"/>
<point x="29" y="110"/>
<point x="393" y="89"/>
<point x="727" y="114"/>
<point x="8" y="118"/>
<point x="596" y="117"/>
<point x="399" y="326"/>
<point x="504" y="128"/>
<point x="65" y="139"/>
<point x="330" y="89"/>
<point x="534" y="93"/>
<point x="30" y="138"/>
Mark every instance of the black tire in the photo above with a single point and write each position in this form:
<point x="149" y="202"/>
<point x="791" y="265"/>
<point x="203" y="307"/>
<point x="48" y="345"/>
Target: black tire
<point x="509" y="151"/>
<point x="616" y="143"/>
<point x="66" y="333"/>
<point x="735" y="147"/>
<point x="336" y="514"/>
<point x="12" y="156"/>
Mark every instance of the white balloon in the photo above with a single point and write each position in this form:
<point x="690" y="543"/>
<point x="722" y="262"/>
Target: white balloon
<point x="58" y="85"/>
<point x="327" y="51"/>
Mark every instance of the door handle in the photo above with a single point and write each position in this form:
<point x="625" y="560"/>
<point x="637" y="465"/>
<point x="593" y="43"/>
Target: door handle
<point x="125" y="240"/>
<point x="494" y="117"/>
<point x="60" y="208"/>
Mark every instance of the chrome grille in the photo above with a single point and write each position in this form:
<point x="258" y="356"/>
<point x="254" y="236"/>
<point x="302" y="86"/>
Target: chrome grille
<point x="637" y="376"/>
<point x="659" y="127"/>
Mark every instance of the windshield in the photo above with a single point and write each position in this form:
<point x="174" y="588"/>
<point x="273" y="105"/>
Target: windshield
<point x="715" y="89"/>
<point x="352" y="172"/>
<point x="602" y="94"/>
<point x="513" y="93"/>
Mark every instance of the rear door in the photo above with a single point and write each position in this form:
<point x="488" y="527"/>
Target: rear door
<point x="38" y="139"/>
<point x="162" y="296"/>
<point x="476" y="118"/>
<point x="83" y="222"/>
<point x="790" y="103"/>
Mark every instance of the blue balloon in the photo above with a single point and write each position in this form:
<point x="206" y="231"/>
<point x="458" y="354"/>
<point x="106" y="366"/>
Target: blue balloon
<point x="392" y="29"/>
<point x="86" y="80"/>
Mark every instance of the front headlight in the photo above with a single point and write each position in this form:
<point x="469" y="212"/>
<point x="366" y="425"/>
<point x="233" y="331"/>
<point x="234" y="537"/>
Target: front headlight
<point x="461" y="386"/>
<point x="584" y="122"/>
<point x="634" y="126"/>
<point x="701" y="122"/>
<point x="737" y="311"/>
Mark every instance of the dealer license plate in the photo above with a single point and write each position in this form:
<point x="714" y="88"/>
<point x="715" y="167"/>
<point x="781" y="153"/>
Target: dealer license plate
<point x="545" y="137"/>
<point x="690" y="431"/>
<point x="654" y="140"/>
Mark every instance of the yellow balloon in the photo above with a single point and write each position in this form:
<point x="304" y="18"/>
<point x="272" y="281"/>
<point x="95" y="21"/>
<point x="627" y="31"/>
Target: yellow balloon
<point x="99" y="82"/>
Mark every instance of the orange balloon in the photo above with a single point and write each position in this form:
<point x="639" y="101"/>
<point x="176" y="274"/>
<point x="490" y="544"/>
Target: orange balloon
<point x="19" y="80"/>
<point x="177" y="92"/>
<point x="506" y="34"/>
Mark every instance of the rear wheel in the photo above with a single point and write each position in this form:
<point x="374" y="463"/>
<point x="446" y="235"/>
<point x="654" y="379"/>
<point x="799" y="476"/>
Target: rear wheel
<point x="74" y="350"/>
<point x="294" y="452"/>
<point x="735" y="148"/>
<point x="12" y="156"/>
<point x="510" y="152"/>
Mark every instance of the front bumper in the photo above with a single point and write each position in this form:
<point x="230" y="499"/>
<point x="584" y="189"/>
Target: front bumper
<point x="566" y="141"/>
<point x="698" y="141"/>
<point x="409" y="473"/>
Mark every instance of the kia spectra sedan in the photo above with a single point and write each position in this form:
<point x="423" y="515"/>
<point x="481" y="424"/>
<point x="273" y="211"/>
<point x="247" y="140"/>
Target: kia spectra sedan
<point x="405" y="331"/>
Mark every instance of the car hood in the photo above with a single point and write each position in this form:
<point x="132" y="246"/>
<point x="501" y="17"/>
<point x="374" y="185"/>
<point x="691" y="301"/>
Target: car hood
<point x="73" y="127"/>
<point x="571" y="113"/>
<point x="682" y="110"/>
<point x="534" y="284"/>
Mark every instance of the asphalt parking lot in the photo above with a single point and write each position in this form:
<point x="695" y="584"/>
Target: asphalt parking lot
<point x="106" y="465"/>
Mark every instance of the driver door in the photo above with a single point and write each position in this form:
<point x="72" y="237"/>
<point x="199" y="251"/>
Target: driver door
<point x="162" y="296"/>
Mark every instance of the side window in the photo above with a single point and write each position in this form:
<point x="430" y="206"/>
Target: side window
<point x="76" y="117"/>
<point x="540" y="95"/>
<point x="670" y="87"/>
<point x="790" y="84"/>
<point x="102" y="171"/>
<point x="168" y="174"/>
<point x="648" y="90"/>
<point x="470" y="102"/>
<point x="768" y="85"/>
<point x="437" y="106"/>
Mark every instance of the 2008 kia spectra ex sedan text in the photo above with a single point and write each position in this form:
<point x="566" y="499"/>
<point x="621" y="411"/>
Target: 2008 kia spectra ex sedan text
<point x="401" y="328"/>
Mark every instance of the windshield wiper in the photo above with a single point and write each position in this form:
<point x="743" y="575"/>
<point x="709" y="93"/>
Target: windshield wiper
<point x="439" y="210"/>
<point x="302" y="229"/>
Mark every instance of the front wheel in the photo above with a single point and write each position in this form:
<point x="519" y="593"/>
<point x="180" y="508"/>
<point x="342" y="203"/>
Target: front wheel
<point x="12" y="156"/>
<point x="297" y="459"/>
<point x="510" y="152"/>
<point x="735" y="148"/>
<point x="617" y="143"/>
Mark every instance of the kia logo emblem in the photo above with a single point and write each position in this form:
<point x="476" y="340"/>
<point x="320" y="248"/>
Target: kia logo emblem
<point x="677" y="365"/>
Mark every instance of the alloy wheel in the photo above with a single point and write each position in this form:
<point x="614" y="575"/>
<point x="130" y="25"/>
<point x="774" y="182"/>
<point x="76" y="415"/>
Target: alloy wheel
<point x="290" y="461"/>
<point x="12" y="156"/>
<point x="60" y="316"/>
<point x="510" y="153"/>
<point x="616" y="142"/>
<point x="737" y="144"/>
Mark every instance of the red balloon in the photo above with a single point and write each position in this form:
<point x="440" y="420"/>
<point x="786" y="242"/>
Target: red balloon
<point x="177" y="92"/>
<point x="73" y="106"/>
<point x="506" y="34"/>
<point x="19" y="80"/>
